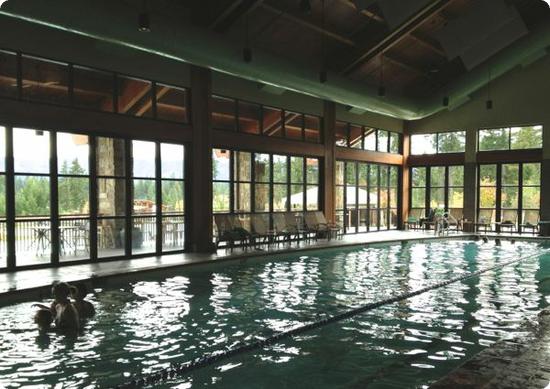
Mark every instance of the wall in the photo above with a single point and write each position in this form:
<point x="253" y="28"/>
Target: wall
<point x="520" y="97"/>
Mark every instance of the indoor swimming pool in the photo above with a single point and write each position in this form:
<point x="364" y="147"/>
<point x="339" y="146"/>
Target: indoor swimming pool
<point x="146" y="325"/>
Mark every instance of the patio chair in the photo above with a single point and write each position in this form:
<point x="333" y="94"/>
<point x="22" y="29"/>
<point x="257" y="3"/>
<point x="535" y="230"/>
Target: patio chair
<point x="294" y="227"/>
<point x="456" y="217"/>
<point x="484" y="219"/>
<point x="530" y="221"/>
<point x="333" y="228"/>
<point x="280" y="227"/>
<point x="429" y="221"/>
<point x="260" y="229"/>
<point x="508" y="219"/>
<point x="224" y="229"/>
<point x="413" y="220"/>
<point x="312" y="225"/>
<point x="241" y="233"/>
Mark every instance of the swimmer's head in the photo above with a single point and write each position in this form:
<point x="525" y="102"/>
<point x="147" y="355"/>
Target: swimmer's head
<point x="43" y="318"/>
<point x="61" y="290"/>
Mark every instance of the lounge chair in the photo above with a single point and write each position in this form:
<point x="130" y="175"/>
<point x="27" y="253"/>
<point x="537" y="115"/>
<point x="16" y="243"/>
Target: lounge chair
<point x="428" y="222"/>
<point x="260" y="229"/>
<point x="292" y="226"/>
<point x="280" y="227"/>
<point x="508" y="219"/>
<point x="530" y="221"/>
<point x="456" y="217"/>
<point x="333" y="228"/>
<point x="484" y="219"/>
<point x="413" y="221"/>
<point x="224" y="229"/>
<point x="241" y="232"/>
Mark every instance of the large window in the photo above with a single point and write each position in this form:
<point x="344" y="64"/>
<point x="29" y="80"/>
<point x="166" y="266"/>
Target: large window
<point x="251" y="118"/>
<point x="45" y="81"/>
<point x="74" y="198"/>
<point x="367" y="138"/>
<point x="438" y="187"/>
<point x="438" y="143"/>
<point x="73" y="185"/>
<point x="111" y="194"/>
<point x="366" y="196"/>
<point x="509" y="193"/>
<point x="245" y="183"/>
<point x="510" y="138"/>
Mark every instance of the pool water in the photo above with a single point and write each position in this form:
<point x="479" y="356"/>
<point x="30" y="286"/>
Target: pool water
<point x="144" y="326"/>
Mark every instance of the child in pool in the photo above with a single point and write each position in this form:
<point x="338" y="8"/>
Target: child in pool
<point x="84" y="308"/>
<point x="64" y="313"/>
<point x="43" y="318"/>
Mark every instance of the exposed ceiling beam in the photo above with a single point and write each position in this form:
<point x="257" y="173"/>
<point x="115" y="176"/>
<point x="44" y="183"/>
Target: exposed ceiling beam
<point x="405" y="65"/>
<point x="427" y="44"/>
<point x="233" y="13"/>
<point x="342" y="39"/>
<point x="395" y="36"/>
<point x="296" y="19"/>
<point x="379" y="19"/>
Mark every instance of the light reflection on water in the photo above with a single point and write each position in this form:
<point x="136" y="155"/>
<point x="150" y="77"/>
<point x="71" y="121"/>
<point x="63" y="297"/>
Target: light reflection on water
<point x="145" y="326"/>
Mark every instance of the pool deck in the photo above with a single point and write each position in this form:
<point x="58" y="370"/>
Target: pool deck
<point x="521" y="363"/>
<point x="16" y="283"/>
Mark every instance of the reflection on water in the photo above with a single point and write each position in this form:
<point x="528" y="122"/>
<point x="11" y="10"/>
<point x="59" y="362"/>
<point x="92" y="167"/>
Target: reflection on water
<point x="145" y="326"/>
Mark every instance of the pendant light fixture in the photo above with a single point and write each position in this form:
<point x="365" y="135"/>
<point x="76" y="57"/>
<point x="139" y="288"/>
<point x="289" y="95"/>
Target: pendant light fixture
<point x="323" y="77"/>
<point x="144" y="22"/>
<point x="305" y="7"/>
<point x="247" y="51"/>
<point x="381" y="87"/>
<point x="489" y="102"/>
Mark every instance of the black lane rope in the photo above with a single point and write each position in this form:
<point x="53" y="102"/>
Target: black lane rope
<point x="181" y="369"/>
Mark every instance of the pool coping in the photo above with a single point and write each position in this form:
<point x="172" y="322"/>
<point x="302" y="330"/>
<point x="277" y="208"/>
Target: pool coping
<point x="517" y="362"/>
<point x="41" y="292"/>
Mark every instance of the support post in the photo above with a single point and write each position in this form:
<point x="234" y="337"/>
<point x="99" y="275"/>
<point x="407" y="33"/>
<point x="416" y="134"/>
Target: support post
<point x="329" y="160"/>
<point x="200" y="181"/>
<point x="470" y="176"/>
<point x="404" y="199"/>
<point x="545" y="175"/>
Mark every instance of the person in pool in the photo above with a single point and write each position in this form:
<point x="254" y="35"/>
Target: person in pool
<point x="43" y="318"/>
<point x="84" y="308"/>
<point x="64" y="313"/>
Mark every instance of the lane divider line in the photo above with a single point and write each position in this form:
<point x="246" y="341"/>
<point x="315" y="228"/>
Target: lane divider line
<point x="180" y="369"/>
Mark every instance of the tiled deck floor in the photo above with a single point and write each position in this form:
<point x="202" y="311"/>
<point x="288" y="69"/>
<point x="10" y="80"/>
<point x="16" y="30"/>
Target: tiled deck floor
<point x="519" y="363"/>
<point x="27" y="279"/>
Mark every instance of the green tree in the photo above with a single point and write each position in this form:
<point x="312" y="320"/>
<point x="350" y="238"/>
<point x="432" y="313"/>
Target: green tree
<point x="496" y="139"/>
<point x="73" y="191"/>
<point x="32" y="196"/>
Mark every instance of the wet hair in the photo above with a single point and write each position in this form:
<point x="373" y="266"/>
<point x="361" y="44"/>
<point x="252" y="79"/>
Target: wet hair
<point x="61" y="289"/>
<point x="43" y="317"/>
<point x="79" y="291"/>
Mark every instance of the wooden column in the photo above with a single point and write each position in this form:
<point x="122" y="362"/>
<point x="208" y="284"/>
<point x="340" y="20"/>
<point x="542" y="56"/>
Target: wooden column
<point x="329" y="160"/>
<point x="200" y="161"/>
<point x="405" y="180"/>
<point x="545" y="174"/>
<point x="470" y="176"/>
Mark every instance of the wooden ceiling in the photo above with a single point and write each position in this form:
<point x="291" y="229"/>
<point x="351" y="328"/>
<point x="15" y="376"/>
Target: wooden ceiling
<point x="354" y="43"/>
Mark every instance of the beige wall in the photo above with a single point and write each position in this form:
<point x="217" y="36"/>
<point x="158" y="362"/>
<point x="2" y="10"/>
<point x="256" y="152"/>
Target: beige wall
<point x="520" y="97"/>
